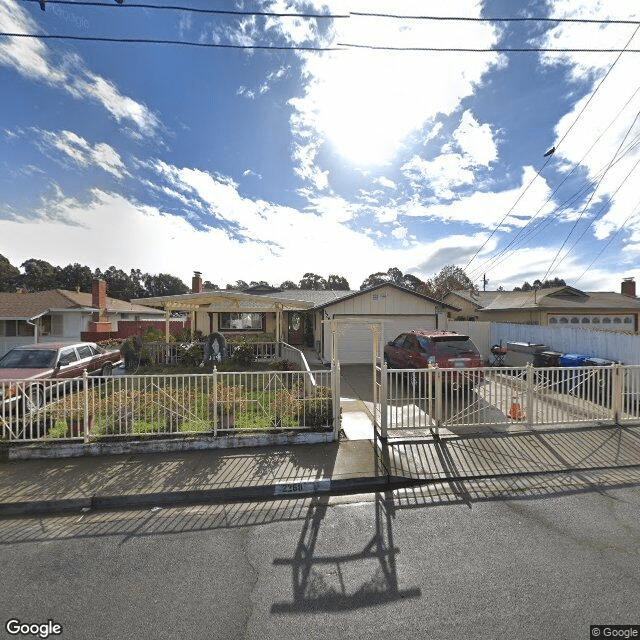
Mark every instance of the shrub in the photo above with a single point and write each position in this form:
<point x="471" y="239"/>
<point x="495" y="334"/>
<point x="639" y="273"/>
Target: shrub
<point x="243" y="354"/>
<point x="285" y="407"/>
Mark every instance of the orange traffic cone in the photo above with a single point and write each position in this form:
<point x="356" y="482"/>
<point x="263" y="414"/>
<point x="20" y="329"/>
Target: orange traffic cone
<point x="515" y="412"/>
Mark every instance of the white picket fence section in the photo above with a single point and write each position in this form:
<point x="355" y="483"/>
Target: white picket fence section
<point x="169" y="405"/>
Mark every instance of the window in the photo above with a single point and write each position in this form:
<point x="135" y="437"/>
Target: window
<point x="628" y="320"/>
<point x="85" y="351"/>
<point x="595" y="320"/>
<point x="617" y="321"/>
<point x="553" y="320"/>
<point x="586" y="320"/>
<point x="242" y="321"/>
<point x="606" y="320"/>
<point x="67" y="356"/>
<point x="564" y="321"/>
<point x="575" y="320"/>
<point x="9" y="327"/>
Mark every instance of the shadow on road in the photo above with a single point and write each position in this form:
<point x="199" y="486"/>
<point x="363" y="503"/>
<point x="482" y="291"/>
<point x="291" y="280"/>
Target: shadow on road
<point x="319" y="582"/>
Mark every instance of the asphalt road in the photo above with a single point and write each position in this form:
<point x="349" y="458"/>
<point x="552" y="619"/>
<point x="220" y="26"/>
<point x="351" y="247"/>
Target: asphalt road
<point x="542" y="559"/>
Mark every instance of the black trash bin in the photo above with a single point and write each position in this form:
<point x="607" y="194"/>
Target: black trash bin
<point x="543" y="361"/>
<point x="600" y="381"/>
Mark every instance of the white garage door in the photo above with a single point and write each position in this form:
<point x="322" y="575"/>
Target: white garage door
<point x="355" y="343"/>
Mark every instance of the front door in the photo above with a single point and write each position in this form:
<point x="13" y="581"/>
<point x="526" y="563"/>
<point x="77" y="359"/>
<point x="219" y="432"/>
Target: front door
<point x="296" y="328"/>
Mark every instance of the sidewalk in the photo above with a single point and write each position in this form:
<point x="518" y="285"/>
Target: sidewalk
<point x="30" y="487"/>
<point x="220" y="475"/>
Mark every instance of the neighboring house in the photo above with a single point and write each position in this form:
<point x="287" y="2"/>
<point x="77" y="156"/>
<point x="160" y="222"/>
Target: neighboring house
<point x="554" y="306"/>
<point x="58" y="315"/>
<point x="301" y="317"/>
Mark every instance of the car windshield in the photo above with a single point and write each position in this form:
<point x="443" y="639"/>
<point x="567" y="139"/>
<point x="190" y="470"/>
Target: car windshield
<point x="29" y="359"/>
<point x="452" y="347"/>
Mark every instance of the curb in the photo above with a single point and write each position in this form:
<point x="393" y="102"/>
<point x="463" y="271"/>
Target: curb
<point x="293" y="490"/>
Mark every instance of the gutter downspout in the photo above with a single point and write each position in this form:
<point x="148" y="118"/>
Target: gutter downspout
<point x="35" y="324"/>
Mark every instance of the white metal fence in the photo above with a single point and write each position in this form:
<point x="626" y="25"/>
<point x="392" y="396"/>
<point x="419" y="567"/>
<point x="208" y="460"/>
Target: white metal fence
<point x="499" y="399"/>
<point x="168" y="405"/>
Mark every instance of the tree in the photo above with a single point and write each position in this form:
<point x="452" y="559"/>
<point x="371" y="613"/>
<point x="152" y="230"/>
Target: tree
<point x="409" y="281"/>
<point x="313" y="281"/>
<point x="164" y="284"/>
<point x="374" y="279"/>
<point x="39" y="275"/>
<point x="337" y="283"/>
<point x="119" y="284"/>
<point x="450" y="278"/>
<point x="239" y="285"/>
<point x="75" y="276"/>
<point x="288" y="284"/>
<point x="9" y="275"/>
<point x="537" y="284"/>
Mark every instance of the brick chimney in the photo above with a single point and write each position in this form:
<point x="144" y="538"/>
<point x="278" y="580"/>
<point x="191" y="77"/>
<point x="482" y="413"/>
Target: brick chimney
<point x="628" y="287"/>
<point x="100" y="321"/>
<point x="196" y="282"/>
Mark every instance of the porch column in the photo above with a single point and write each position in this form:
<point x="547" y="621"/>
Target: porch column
<point x="167" y="315"/>
<point x="193" y="322"/>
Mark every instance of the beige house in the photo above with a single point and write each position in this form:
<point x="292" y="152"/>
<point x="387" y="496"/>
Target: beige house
<point x="555" y="306"/>
<point x="303" y="317"/>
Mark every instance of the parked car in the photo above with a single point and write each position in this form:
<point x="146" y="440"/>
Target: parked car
<point x="445" y="349"/>
<point x="26" y="370"/>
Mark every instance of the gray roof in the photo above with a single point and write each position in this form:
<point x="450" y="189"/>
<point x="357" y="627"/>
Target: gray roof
<point x="318" y="298"/>
<point x="562" y="298"/>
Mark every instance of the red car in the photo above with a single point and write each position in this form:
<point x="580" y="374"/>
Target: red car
<point x="445" y="349"/>
<point x="24" y="370"/>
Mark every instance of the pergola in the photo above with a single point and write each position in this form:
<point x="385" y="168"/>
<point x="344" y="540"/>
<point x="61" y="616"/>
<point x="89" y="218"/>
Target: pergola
<point x="224" y="302"/>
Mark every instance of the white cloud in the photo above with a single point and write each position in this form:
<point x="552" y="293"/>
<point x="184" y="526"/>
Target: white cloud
<point x="488" y="209"/>
<point x="81" y="152"/>
<point x="441" y="174"/>
<point x="385" y="182"/>
<point x="364" y="104"/>
<point x="475" y="141"/>
<point x="593" y="137"/>
<point x="34" y="60"/>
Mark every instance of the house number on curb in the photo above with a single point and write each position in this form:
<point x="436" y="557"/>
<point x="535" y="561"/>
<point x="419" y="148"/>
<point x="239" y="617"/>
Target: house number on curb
<point x="302" y="487"/>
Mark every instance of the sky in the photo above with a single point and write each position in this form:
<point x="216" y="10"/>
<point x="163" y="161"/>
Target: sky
<point x="322" y="156"/>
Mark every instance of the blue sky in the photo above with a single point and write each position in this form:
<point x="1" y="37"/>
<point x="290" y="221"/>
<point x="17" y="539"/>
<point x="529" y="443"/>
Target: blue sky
<point x="264" y="165"/>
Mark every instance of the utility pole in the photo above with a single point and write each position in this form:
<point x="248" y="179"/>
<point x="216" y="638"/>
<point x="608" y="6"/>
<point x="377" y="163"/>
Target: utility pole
<point x="484" y="282"/>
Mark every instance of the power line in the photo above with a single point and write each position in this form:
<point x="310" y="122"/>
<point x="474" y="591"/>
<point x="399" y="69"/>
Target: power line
<point x="189" y="43"/>
<point x="131" y="5"/>
<point x="372" y="47"/>
<point x="615" y="155"/>
<point x="495" y="260"/>
<point x="553" y="149"/>
<point x="338" y="47"/>
<point x="366" y="14"/>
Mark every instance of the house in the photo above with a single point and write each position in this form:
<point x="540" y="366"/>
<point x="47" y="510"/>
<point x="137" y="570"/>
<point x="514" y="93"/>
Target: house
<point x="303" y="317"/>
<point x="555" y="306"/>
<point x="57" y="314"/>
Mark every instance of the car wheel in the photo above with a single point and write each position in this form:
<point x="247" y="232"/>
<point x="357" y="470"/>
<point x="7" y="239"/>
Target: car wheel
<point x="36" y="399"/>
<point x="107" y="370"/>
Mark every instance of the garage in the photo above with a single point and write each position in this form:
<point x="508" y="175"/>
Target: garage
<point x="396" y="308"/>
<point x="355" y="342"/>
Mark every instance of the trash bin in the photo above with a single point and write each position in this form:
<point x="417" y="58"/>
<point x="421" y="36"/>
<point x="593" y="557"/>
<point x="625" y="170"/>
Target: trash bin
<point x="542" y="362"/>
<point x="520" y="354"/>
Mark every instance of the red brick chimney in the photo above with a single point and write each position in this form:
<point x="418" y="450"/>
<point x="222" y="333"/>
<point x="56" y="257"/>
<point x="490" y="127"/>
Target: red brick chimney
<point x="628" y="287"/>
<point x="196" y="282"/>
<point x="99" y="301"/>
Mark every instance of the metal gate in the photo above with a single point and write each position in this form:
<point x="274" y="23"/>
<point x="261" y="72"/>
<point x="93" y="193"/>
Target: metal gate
<point x="424" y="402"/>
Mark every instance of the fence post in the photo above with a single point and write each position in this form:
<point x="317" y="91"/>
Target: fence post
<point x="85" y="387"/>
<point x="382" y="401"/>
<point x="215" y="401"/>
<point x="335" y="375"/>
<point x="438" y="392"/>
<point x="616" y="392"/>
<point x="530" y="389"/>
